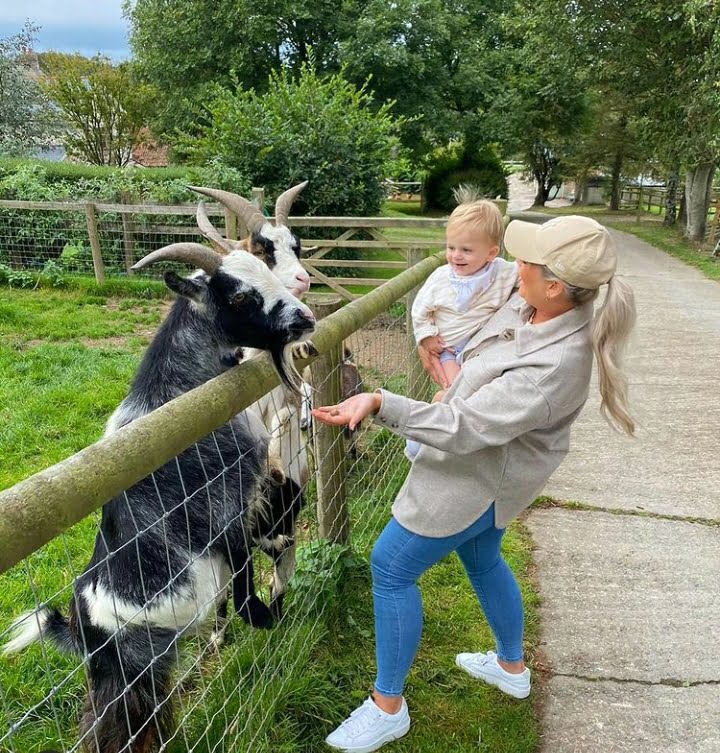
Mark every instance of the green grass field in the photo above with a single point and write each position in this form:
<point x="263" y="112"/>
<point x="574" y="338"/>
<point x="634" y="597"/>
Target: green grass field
<point x="66" y="358"/>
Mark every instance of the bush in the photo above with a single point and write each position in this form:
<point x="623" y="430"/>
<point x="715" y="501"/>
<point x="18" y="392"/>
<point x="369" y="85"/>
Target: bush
<point x="31" y="238"/>
<point x="324" y="130"/>
<point x="452" y="166"/>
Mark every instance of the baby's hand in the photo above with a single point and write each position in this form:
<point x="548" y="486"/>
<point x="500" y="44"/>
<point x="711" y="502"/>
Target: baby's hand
<point x="434" y="344"/>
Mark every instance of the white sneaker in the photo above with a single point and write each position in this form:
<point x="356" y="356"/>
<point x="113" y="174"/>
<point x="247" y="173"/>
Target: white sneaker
<point x="485" y="667"/>
<point x="369" y="728"/>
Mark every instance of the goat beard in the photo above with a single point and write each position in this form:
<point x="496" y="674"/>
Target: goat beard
<point x="285" y="367"/>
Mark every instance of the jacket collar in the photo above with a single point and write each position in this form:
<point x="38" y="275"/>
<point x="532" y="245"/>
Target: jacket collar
<point x="509" y="320"/>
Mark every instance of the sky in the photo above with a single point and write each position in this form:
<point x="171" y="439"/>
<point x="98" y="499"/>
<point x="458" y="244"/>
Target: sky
<point x="85" y="26"/>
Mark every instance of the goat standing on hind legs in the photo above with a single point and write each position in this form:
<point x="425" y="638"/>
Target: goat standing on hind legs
<point x="169" y="546"/>
<point x="281" y="409"/>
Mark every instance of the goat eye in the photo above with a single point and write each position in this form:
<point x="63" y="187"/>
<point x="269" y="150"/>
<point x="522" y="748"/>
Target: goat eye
<point x="238" y="298"/>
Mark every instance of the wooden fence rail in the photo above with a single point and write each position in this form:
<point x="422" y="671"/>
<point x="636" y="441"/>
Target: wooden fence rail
<point x="48" y="503"/>
<point x="382" y="251"/>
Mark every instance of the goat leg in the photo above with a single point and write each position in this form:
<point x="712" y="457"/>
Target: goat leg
<point x="247" y="604"/>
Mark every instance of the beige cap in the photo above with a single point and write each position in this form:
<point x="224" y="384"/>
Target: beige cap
<point x="576" y="249"/>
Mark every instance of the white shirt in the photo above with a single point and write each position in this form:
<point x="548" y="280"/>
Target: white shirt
<point x="437" y="310"/>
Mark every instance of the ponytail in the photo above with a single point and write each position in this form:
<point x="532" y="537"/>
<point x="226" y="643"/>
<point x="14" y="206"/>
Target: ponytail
<point x="611" y="329"/>
<point x="610" y="332"/>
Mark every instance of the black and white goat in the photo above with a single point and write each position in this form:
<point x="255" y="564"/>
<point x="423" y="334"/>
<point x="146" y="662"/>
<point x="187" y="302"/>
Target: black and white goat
<point x="280" y="410"/>
<point x="169" y="546"/>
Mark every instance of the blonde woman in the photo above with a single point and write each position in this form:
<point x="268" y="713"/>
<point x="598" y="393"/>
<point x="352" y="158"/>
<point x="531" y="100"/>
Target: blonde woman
<point x="488" y="447"/>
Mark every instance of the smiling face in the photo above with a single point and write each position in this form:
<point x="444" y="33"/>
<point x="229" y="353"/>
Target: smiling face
<point x="468" y="251"/>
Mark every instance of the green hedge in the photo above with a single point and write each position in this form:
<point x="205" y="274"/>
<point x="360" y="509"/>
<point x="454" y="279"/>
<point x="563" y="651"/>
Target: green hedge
<point x="452" y="166"/>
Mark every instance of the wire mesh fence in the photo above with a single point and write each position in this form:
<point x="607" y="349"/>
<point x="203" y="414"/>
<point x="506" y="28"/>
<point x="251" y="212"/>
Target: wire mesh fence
<point x="198" y="603"/>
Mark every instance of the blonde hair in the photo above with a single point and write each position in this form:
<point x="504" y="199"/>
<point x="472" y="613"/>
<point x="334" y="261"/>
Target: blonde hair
<point x="476" y="214"/>
<point x="611" y="330"/>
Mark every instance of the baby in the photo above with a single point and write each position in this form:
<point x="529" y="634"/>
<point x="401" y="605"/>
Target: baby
<point x="460" y="297"/>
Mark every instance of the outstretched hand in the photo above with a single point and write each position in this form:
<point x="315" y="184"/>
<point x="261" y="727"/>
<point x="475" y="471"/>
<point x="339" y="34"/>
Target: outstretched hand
<point x="351" y="411"/>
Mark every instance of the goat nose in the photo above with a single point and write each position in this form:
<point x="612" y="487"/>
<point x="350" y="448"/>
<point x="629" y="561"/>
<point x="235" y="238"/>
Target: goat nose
<point x="307" y="314"/>
<point x="303" y="278"/>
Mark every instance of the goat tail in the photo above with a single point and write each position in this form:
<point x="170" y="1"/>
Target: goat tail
<point x="46" y="623"/>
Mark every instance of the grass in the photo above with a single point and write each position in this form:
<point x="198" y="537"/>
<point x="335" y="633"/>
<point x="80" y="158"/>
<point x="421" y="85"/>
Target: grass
<point x="65" y="362"/>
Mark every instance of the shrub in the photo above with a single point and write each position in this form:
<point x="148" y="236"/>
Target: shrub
<point x="324" y="130"/>
<point x="451" y="166"/>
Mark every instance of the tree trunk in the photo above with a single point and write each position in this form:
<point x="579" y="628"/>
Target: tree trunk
<point x="580" y="183"/>
<point x="671" y="196"/>
<point x="698" y="187"/>
<point x="616" y="188"/>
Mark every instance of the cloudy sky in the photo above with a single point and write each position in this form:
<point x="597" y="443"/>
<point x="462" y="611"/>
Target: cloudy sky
<point x="85" y="26"/>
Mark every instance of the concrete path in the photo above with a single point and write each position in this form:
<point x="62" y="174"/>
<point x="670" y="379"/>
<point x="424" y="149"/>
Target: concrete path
<point x="630" y="583"/>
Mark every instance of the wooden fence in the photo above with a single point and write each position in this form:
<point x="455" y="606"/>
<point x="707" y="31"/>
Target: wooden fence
<point x="653" y="199"/>
<point x="348" y="256"/>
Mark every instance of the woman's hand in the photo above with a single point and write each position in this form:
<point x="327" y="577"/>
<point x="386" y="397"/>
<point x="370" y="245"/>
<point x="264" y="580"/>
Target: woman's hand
<point x="438" y="396"/>
<point x="351" y="411"/>
<point x="431" y="361"/>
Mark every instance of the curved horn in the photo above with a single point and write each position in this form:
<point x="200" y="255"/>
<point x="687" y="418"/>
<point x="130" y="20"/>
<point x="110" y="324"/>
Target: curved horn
<point x="246" y="210"/>
<point x="210" y="231"/>
<point x="285" y="201"/>
<point x="190" y="253"/>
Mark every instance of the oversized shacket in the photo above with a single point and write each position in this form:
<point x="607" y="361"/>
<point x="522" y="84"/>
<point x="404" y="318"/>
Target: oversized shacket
<point x="501" y="429"/>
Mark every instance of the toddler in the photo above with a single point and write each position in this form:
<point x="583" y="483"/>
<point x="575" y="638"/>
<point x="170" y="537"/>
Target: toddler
<point x="461" y="296"/>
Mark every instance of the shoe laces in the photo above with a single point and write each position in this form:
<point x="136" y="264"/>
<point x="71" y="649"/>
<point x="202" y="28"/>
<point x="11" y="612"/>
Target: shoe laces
<point x="361" y="719"/>
<point x="481" y="660"/>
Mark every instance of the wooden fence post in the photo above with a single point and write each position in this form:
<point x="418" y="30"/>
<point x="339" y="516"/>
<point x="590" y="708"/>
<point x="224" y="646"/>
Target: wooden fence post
<point x="329" y="445"/>
<point x="231" y="225"/>
<point x="419" y="383"/>
<point x="94" y="238"/>
<point x="713" y="237"/>
<point x="128" y="235"/>
<point x="258" y="198"/>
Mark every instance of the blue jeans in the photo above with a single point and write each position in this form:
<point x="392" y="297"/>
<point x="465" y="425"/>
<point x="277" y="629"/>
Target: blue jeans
<point x="400" y="557"/>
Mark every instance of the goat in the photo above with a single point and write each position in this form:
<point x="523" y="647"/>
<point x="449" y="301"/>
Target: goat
<point x="169" y="546"/>
<point x="277" y="245"/>
<point x="280" y="409"/>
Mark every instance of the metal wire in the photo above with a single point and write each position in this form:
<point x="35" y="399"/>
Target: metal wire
<point x="225" y="694"/>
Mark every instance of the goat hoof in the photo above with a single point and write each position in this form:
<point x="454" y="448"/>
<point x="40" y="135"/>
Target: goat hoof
<point x="256" y="614"/>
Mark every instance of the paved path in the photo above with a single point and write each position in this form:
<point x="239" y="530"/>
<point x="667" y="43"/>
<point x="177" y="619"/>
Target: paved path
<point x="630" y="585"/>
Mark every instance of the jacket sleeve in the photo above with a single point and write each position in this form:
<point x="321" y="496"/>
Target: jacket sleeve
<point x="497" y="413"/>
<point x="422" y="309"/>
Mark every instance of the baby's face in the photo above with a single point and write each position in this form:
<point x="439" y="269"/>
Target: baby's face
<point x="467" y="251"/>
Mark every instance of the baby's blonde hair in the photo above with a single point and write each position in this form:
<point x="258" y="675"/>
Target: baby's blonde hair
<point x="477" y="215"/>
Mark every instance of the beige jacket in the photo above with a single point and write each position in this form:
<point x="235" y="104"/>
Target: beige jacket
<point x="435" y="310"/>
<point x="501" y="429"/>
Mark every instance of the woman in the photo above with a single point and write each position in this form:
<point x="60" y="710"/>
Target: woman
<point x="488" y="447"/>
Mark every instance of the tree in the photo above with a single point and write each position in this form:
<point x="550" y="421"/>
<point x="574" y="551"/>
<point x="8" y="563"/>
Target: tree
<point x="659" y="63"/>
<point x="26" y="119"/>
<point x="440" y="62"/>
<point x="543" y="106"/>
<point x="323" y="129"/>
<point x="103" y="107"/>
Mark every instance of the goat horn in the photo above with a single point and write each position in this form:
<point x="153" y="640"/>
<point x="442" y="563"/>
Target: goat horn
<point x="210" y="231"/>
<point x="244" y="209"/>
<point x="285" y="201"/>
<point x="190" y="253"/>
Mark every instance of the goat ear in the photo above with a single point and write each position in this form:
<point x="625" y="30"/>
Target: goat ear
<point x="184" y="286"/>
